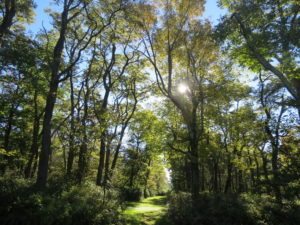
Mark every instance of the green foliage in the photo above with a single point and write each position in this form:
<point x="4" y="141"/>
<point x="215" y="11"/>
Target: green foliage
<point x="221" y="209"/>
<point x="101" y="78"/>
<point x="143" y="167"/>
<point x="65" y="204"/>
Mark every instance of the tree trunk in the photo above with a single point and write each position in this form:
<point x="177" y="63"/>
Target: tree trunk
<point x="101" y="160"/>
<point x="33" y="171"/>
<point x="35" y="137"/>
<point x="116" y="155"/>
<point x="82" y="161"/>
<point x="72" y="130"/>
<point x="107" y="163"/>
<point x="51" y="99"/>
<point x="9" y="127"/>
<point x="275" y="181"/>
<point x="103" y="133"/>
<point x="228" y="186"/>
<point x="187" y="169"/>
<point x="195" y="174"/>
<point x="215" y="177"/>
<point x="7" y="20"/>
<point x="83" y="157"/>
<point x="46" y="137"/>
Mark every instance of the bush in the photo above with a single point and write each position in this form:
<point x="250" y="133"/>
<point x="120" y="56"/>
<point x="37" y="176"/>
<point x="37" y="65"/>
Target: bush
<point x="211" y="210"/>
<point x="221" y="209"/>
<point x="86" y="204"/>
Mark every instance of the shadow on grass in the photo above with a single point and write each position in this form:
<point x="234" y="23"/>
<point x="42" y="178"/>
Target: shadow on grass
<point x="134" y="221"/>
<point x="164" y="220"/>
<point x="158" y="201"/>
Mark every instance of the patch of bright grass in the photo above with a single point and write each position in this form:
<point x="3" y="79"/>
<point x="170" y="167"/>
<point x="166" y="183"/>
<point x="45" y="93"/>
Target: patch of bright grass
<point x="146" y="212"/>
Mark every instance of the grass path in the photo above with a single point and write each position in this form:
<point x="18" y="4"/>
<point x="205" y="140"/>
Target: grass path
<point x="149" y="211"/>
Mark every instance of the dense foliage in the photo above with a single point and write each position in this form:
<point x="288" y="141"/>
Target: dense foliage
<point x="219" y="209"/>
<point x="60" y="203"/>
<point x="119" y="100"/>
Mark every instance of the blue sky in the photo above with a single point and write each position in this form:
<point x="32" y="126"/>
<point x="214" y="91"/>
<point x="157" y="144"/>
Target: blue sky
<point x="212" y="12"/>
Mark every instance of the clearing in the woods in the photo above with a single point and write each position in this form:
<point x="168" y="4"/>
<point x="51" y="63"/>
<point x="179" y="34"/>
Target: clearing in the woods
<point x="149" y="211"/>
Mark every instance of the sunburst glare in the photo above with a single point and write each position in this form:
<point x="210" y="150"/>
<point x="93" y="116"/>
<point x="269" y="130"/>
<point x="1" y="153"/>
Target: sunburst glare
<point x="183" y="88"/>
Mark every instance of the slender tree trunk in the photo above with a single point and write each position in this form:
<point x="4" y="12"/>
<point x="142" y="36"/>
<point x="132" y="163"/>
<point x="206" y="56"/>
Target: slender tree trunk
<point x="220" y="181"/>
<point x="228" y="186"/>
<point x="146" y="179"/>
<point x="107" y="164"/>
<point x="215" y="177"/>
<point x="72" y="130"/>
<point x="195" y="173"/>
<point x="102" y="159"/>
<point x="241" y="186"/>
<point x="187" y="169"/>
<point x="83" y="157"/>
<point x="257" y="170"/>
<point x="8" y="127"/>
<point x="35" y="164"/>
<point x="99" y="178"/>
<point x="275" y="182"/>
<point x="82" y="162"/>
<point x="35" y="138"/>
<point x="116" y="155"/>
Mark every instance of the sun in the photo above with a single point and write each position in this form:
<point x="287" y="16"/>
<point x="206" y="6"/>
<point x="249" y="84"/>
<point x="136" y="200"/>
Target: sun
<point x="183" y="88"/>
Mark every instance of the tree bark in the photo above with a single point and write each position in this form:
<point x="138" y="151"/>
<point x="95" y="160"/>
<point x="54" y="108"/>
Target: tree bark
<point x="7" y="20"/>
<point x="107" y="164"/>
<point x="46" y="137"/>
<point x="228" y="186"/>
<point x="195" y="173"/>
<point x="102" y="157"/>
<point x="51" y="99"/>
<point x="35" y="137"/>
<point x="71" y="153"/>
<point x="83" y="157"/>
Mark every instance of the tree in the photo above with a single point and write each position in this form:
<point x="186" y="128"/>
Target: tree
<point x="160" y="50"/>
<point x="265" y="32"/>
<point x="142" y="159"/>
<point x="14" y="13"/>
<point x="71" y="9"/>
<point x="22" y="83"/>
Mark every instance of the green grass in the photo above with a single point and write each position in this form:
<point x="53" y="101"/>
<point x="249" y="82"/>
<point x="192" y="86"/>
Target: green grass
<point x="150" y="211"/>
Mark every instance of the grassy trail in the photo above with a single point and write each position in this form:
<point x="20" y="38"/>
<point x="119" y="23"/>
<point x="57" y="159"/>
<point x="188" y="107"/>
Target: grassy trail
<point x="149" y="211"/>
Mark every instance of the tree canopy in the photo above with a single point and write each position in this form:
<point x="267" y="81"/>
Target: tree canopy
<point x="121" y="100"/>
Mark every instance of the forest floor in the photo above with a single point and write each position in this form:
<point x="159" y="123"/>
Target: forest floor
<point x="150" y="211"/>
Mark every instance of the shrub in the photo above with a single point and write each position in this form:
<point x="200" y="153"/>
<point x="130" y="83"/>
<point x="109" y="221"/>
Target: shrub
<point x="211" y="210"/>
<point x="70" y="204"/>
<point x="221" y="209"/>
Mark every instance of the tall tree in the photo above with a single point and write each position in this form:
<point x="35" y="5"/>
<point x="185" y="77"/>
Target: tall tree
<point x="161" y="45"/>
<point x="263" y="34"/>
<point x="71" y="9"/>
